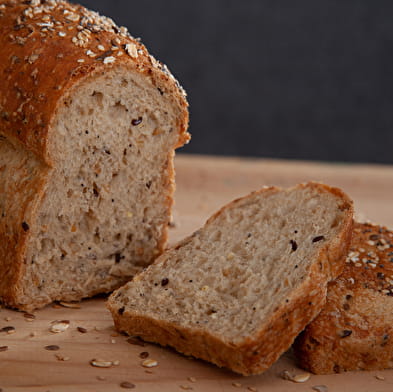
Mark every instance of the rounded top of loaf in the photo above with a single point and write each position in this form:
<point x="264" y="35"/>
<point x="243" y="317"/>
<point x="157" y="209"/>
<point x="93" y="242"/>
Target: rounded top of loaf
<point x="46" y="47"/>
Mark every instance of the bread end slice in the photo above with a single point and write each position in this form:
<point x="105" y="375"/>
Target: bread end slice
<point x="238" y="291"/>
<point x="354" y="330"/>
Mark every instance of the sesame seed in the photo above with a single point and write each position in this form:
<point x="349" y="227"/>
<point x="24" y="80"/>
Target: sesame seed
<point x="186" y="388"/>
<point x="62" y="34"/>
<point x="101" y="47"/>
<point x="320" y="388"/>
<point x="81" y="60"/>
<point x="149" y="363"/>
<point x="70" y="305"/>
<point x="192" y="379"/>
<point x="3" y="348"/>
<point x="101" y="363"/>
<point x="90" y="53"/>
<point x="303" y="377"/>
<point x="59" y="326"/>
<point x="380" y="377"/>
<point x="236" y="384"/>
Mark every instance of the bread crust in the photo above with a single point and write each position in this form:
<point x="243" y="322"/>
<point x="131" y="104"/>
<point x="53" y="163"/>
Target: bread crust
<point x="259" y="351"/>
<point x="48" y="49"/>
<point x="355" y="328"/>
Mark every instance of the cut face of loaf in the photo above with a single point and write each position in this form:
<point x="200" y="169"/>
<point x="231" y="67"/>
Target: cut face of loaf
<point x="239" y="290"/>
<point x="86" y="185"/>
<point x="354" y="331"/>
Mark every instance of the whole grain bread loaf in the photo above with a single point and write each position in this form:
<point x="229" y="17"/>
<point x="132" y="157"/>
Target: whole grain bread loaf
<point x="354" y="331"/>
<point x="88" y="126"/>
<point x="238" y="291"/>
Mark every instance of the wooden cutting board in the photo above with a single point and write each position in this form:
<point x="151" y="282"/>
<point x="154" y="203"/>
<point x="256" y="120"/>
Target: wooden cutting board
<point x="203" y="185"/>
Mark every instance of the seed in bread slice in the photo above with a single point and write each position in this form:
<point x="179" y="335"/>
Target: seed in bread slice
<point x="238" y="291"/>
<point x="354" y="331"/>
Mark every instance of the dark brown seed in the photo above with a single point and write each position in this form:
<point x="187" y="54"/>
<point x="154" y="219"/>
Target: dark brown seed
<point x="318" y="238"/>
<point x="25" y="226"/>
<point x="7" y="329"/>
<point x="374" y="237"/>
<point x="345" y="333"/>
<point x="121" y="310"/>
<point x="3" y="348"/>
<point x="143" y="355"/>
<point x="136" y="342"/>
<point x="164" y="282"/>
<point x="136" y="121"/>
<point x="52" y="347"/>
<point x="380" y="275"/>
<point x="127" y="385"/>
<point x="117" y="257"/>
<point x="29" y="316"/>
<point x="294" y="245"/>
<point x="82" y="330"/>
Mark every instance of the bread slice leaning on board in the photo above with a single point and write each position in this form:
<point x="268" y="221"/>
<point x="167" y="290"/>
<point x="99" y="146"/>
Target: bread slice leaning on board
<point x="239" y="290"/>
<point x="88" y="126"/>
<point x="354" y="331"/>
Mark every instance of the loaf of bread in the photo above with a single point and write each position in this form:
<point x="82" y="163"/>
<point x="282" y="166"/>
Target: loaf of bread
<point x="239" y="290"/>
<point x="88" y="126"/>
<point x="354" y="331"/>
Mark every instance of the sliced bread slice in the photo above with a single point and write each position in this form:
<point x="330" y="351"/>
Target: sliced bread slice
<point x="238" y="291"/>
<point x="354" y="331"/>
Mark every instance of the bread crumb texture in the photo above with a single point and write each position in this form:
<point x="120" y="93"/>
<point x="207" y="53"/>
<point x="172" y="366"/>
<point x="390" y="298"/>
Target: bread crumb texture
<point x="238" y="291"/>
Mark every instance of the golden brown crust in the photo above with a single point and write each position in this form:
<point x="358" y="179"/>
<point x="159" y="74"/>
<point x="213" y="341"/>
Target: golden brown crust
<point x="47" y="48"/>
<point x="354" y="330"/>
<point x="257" y="353"/>
<point x="39" y="65"/>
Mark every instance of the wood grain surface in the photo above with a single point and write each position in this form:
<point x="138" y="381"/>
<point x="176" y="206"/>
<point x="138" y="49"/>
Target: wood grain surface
<point x="203" y="185"/>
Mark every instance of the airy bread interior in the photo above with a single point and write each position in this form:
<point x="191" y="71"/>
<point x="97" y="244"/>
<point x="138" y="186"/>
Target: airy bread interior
<point x="229" y="277"/>
<point x="106" y="206"/>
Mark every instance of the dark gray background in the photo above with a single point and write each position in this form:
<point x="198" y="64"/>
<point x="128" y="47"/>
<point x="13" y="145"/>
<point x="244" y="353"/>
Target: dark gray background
<point x="284" y="79"/>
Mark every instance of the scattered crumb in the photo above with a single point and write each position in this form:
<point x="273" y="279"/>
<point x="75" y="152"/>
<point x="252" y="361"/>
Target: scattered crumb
<point x="149" y="372"/>
<point x="3" y="348"/>
<point x="7" y="319"/>
<point x="237" y="384"/>
<point x="33" y="334"/>
<point x="113" y="341"/>
<point x="380" y="377"/>
<point x="143" y="354"/>
<point x="191" y="379"/>
<point x="116" y="363"/>
<point x="81" y="329"/>
<point x="252" y="389"/>
<point x="186" y="388"/>
<point x="62" y="358"/>
<point x="101" y="378"/>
